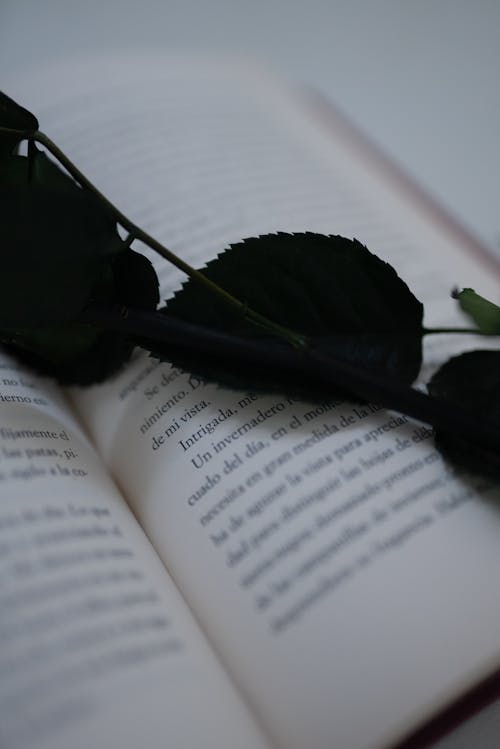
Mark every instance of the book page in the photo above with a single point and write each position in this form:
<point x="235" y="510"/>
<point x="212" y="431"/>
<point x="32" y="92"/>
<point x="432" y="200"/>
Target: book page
<point x="336" y="562"/>
<point x="96" y="645"/>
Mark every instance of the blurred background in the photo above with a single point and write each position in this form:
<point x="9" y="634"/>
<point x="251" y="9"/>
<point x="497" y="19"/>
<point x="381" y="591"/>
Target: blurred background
<point x="419" y="78"/>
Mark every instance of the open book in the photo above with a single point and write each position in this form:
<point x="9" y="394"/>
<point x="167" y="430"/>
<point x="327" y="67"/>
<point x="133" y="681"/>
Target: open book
<point x="187" y="566"/>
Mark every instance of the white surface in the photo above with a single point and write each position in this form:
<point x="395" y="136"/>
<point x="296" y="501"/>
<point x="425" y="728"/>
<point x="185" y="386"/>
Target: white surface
<point x="420" y="78"/>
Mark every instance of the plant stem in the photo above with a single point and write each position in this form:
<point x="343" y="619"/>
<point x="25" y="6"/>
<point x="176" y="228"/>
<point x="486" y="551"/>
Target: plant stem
<point x="472" y="331"/>
<point x="315" y="366"/>
<point x="295" y="339"/>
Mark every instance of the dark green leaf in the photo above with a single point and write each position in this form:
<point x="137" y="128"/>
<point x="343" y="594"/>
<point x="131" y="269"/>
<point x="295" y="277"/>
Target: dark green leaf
<point x="40" y="172"/>
<point x="333" y="290"/>
<point x="485" y="314"/>
<point x="8" y="146"/>
<point x="472" y="379"/>
<point x="53" y="253"/>
<point x="56" y="242"/>
<point x="73" y="353"/>
<point x="82" y="354"/>
<point x="49" y="175"/>
<point x="16" y="117"/>
<point x="19" y="124"/>
<point x="60" y="250"/>
<point x="13" y="171"/>
<point x="136" y="281"/>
